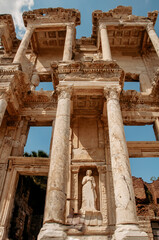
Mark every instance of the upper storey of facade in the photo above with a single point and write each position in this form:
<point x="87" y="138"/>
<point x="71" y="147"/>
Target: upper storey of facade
<point x="47" y="33"/>
<point x="123" y="47"/>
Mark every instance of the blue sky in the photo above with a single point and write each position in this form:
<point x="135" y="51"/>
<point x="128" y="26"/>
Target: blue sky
<point x="39" y="138"/>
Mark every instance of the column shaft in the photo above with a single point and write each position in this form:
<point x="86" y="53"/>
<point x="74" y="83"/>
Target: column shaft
<point x="123" y="187"/>
<point x="3" y="106"/>
<point x="23" y="45"/>
<point x="105" y="42"/>
<point x="59" y="167"/>
<point x="154" y="38"/>
<point x="67" y="55"/>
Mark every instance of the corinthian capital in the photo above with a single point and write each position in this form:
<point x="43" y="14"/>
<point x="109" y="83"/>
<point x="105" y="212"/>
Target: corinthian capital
<point x="102" y="25"/>
<point x="70" y="26"/>
<point x="112" y="93"/>
<point x="64" y="92"/>
<point x="149" y="27"/>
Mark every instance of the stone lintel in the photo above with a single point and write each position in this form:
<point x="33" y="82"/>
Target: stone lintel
<point x="45" y="26"/>
<point x="34" y="161"/>
<point x="29" y="165"/>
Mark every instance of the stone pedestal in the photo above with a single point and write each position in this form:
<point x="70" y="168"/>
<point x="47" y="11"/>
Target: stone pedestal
<point x="23" y="45"/>
<point x="54" y="215"/>
<point x="67" y="55"/>
<point x="3" y="106"/>
<point x="126" y="218"/>
<point x="105" y="42"/>
<point x="153" y="36"/>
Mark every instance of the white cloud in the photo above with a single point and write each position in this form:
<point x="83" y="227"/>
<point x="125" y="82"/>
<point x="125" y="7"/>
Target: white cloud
<point x="16" y="7"/>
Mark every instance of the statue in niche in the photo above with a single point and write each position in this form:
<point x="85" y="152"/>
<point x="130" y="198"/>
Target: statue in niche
<point x="89" y="195"/>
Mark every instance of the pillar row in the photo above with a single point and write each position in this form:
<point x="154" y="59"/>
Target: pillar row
<point x="23" y="45"/>
<point x="153" y="36"/>
<point x="67" y="55"/>
<point x="105" y="42"/>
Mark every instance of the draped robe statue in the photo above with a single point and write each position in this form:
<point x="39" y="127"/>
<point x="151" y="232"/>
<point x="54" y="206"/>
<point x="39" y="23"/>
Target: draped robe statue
<point x="89" y="195"/>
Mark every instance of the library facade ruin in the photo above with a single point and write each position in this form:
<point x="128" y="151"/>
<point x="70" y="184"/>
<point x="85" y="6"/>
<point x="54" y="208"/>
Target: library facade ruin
<point x="90" y="193"/>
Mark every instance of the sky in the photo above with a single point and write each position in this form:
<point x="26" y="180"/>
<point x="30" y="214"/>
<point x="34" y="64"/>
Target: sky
<point x="39" y="138"/>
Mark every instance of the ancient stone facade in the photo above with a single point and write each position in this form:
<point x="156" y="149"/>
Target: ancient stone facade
<point x="90" y="192"/>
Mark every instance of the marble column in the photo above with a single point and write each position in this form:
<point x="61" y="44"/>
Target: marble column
<point x="54" y="215"/>
<point x="23" y="45"/>
<point x="3" y="106"/>
<point x="67" y="55"/>
<point x="105" y="42"/>
<point x="153" y="36"/>
<point x="126" y="218"/>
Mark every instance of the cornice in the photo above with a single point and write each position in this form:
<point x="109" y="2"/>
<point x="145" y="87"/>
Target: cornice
<point x="52" y="15"/>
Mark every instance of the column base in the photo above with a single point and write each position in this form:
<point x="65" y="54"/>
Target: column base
<point x="129" y="232"/>
<point x="52" y="231"/>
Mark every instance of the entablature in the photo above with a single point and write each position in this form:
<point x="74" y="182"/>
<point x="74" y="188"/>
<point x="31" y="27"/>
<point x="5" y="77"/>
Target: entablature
<point x="52" y="15"/>
<point x="88" y="73"/>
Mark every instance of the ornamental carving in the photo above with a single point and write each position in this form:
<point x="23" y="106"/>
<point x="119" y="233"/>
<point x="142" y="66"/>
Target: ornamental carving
<point x="64" y="92"/>
<point x="112" y="93"/>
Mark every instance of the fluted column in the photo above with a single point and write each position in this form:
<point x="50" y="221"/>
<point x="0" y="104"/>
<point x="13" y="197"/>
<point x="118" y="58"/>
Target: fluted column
<point x="3" y="106"/>
<point x="153" y="36"/>
<point x="23" y="45"/>
<point x="105" y="42"/>
<point x="59" y="167"/>
<point x="67" y="55"/>
<point x="126" y="218"/>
